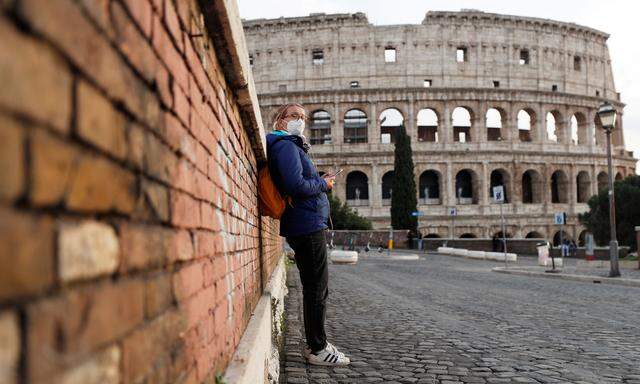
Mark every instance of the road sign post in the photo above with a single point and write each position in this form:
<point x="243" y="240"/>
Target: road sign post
<point x="453" y="212"/>
<point x="498" y="197"/>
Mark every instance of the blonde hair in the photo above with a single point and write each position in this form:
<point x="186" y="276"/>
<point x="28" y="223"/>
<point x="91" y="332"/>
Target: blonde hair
<point x="282" y="110"/>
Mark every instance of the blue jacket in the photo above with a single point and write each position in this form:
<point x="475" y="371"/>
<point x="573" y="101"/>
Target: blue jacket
<point x="294" y="175"/>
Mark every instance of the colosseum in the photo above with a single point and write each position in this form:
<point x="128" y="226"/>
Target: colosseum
<point x="488" y="99"/>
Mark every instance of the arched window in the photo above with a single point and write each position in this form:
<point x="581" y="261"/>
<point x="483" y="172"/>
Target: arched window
<point x="534" y="235"/>
<point x="355" y="126"/>
<point x="427" y="125"/>
<point x="465" y="188"/>
<point x="525" y="123"/>
<point x="531" y="187"/>
<point x="500" y="177"/>
<point x="603" y="181"/>
<point x="357" y="188"/>
<point x="554" y="126"/>
<point x="320" y="127"/>
<point x="559" y="237"/>
<point x="387" y="188"/>
<point x="461" y="118"/>
<point x="583" y="181"/>
<point x="494" y="124"/>
<point x="579" y="129"/>
<point x="390" y="120"/>
<point x="429" y="187"/>
<point x="559" y="190"/>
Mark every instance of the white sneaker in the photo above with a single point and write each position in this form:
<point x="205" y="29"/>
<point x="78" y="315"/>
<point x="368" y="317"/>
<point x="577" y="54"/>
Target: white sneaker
<point x="328" y="356"/>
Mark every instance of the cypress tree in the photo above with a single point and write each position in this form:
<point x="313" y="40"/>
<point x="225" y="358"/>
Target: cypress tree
<point x="403" y="194"/>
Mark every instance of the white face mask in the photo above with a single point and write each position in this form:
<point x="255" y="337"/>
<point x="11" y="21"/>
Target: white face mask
<point x="295" y="127"/>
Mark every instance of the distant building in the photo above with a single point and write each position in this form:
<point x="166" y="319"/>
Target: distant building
<point x="488" y="100"/>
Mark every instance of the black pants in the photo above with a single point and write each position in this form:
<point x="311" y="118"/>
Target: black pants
<point x="311" y="258"/>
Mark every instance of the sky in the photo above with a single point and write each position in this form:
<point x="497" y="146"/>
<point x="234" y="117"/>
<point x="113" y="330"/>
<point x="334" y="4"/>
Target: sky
<point x="615" y="17"/>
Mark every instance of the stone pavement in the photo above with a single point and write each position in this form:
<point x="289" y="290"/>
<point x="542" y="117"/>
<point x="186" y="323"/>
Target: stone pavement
<point x="448" y="320"/>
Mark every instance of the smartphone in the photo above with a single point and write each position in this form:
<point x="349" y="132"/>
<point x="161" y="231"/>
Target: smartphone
<point x="335" y="174"/>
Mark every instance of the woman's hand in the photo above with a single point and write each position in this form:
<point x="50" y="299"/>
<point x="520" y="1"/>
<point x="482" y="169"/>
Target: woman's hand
<point x="330" y="179"/>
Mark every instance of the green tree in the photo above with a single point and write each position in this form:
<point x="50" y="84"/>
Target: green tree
<point x="627" y="196"/>
<point x="345" y="217"/>
<point x="403" y="193"/>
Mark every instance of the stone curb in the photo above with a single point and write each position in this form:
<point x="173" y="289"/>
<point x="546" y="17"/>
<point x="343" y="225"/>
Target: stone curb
<point x="565" y="276"/>
<point x="390" y="258"/>
<point x="256" y="359"/>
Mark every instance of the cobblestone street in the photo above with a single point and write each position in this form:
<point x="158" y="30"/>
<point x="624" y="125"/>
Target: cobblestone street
<point x="450" y="320"/>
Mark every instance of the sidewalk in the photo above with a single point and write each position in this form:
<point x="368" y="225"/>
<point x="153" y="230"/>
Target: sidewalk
<point x="527" y="266"/>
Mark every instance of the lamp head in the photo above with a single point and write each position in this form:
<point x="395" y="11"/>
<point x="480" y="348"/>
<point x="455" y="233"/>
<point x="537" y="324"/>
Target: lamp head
<point x="607" y="114"/>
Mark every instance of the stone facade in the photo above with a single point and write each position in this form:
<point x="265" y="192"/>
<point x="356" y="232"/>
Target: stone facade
<point x="131" y="242"/>
<point x="529" y="90"/>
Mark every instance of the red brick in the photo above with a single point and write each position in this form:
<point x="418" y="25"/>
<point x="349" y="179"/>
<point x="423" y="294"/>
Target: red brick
<point x="185" y="210"/>
<point x="133" y="44"/>
<point x="180" y="246"/>
<point x="188" y="280"/>
<point x="35" y="81"/>
<point x="168" y="53"/>
<point x="99" y="122"/>
<point x="141" y="12"/>
<point x="28" y="248"/>
<point x="156" y="200"/>
<point x="143" y="246"/>
<point x="80" y="321"/>
<point x="65" y="25"/>
<point x="149" y="348"/>
<point x="100" y="185"/>
<point x="158" y="295"/>
<point x="12" y="168"/>
<point x="173" y="23"/>
<point x="181" y="104"/>
<point x="197" y="306"/>
<point x="159" y="161"/>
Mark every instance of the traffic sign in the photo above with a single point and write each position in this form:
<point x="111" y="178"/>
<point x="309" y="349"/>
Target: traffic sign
<point x="559" y="218"/>
<point x="498" y="194"/>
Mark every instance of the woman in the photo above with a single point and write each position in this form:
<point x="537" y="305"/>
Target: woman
<point x="303" y="223"/>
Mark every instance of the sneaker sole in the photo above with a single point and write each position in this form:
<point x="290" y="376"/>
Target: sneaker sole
<point x="327" y="364"/>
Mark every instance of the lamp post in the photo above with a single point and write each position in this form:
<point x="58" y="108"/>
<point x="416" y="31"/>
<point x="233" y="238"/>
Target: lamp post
<point x="607" y="114"/>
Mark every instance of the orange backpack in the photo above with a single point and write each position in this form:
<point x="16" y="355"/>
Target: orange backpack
<point x="272" y="204"/>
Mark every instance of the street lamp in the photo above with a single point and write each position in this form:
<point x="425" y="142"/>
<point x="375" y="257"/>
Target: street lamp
<point x="607" y="114"/>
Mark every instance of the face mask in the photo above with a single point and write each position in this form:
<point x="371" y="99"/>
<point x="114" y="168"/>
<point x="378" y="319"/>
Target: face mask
<point x="295" y="127"/>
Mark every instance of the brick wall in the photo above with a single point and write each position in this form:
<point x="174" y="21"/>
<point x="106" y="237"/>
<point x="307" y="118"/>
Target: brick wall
<point x="132" y="247"/>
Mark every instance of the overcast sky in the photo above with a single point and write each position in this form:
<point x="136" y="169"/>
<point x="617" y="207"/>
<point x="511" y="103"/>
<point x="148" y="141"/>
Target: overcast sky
<point x="616" y="17"/>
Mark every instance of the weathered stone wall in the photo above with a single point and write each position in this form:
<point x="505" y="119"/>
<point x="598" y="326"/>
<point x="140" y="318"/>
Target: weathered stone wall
<point x="132" y="249"/>
<point x="282" y="53"/>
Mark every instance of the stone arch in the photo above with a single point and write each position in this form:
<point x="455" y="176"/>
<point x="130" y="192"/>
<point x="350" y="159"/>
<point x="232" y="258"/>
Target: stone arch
<point x="387" y="187"/>
<point x="355" y="126"/>
<point x="583" y="182"/>
<point x="578" y="129"/>
<point x="560" y="234"/>
<point x="320" y="127"/>
<point x="582" y="238"/>
<point x="357" y="185"/>
<point x="602" y="180"/>
<point x="500" y="176"/>
<point x="429" y="187"/>
<point x="559" y="187"/>
<point x="554" y="126"/>
<point x="428" y="121"/>
<point x="494" y="121"/>
<point x="526" y="120"/>
<point x="431" y="236"/>
<point x="532" y="187"/>
<point x="619" y="177"/>
<point x="534" y="235"/>
<point x="468" y="235"/>
<point x="466" y="187"/>
<point x="390" y="120"/>
<point x="462" y="119"/>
